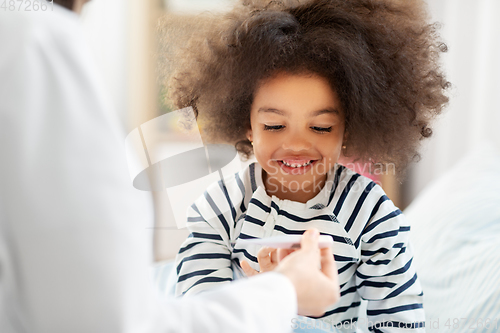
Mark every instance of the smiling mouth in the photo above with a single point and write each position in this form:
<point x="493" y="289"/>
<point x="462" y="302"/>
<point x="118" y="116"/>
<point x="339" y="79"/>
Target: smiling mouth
<point x="296" y="164"/>
<point x="296" y="167"/>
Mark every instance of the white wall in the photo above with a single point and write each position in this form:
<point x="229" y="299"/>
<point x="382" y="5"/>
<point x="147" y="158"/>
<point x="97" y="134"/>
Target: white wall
<point x="471" y="29"/>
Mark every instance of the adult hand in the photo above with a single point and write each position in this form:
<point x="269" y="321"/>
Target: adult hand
<point x="317" y="288"/>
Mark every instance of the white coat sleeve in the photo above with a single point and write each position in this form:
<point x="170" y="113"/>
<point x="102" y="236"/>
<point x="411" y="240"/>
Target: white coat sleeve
<point x="75" y="236"/>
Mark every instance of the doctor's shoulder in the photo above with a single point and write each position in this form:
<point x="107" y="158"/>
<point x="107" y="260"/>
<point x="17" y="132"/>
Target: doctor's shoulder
<point x="41" y="25"/>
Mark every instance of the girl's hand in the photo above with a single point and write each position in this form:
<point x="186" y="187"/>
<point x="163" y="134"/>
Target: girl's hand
<point x="268" y="258"/>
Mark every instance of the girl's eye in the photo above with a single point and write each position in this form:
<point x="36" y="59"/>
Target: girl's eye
<point x="322" y="129"/>
<point x="273" y="127"/>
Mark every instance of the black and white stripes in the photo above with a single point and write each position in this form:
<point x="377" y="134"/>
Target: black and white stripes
<point x="371" y="248"/>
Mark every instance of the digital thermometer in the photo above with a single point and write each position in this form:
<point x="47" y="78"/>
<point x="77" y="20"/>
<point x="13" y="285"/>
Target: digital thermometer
<point x="285" y="242"/>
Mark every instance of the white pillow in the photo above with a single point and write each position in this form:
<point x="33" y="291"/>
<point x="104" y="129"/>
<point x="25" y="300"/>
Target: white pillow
<point x="456" y="240"/>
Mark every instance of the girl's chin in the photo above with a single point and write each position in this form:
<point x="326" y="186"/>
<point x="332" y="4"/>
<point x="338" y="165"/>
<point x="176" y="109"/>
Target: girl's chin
<point x="294" y="188"/>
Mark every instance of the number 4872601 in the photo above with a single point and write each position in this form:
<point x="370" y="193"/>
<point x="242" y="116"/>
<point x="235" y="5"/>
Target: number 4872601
<point x="26" y="5"/>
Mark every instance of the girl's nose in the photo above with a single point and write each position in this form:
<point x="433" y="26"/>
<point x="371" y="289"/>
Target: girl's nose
<point x="296" y="142"/>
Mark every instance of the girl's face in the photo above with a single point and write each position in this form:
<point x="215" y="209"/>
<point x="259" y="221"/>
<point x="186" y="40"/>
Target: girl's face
<point x="297" y="130"/>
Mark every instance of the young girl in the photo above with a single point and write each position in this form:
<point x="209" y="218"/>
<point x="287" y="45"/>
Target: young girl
<point x="301" y="84"/>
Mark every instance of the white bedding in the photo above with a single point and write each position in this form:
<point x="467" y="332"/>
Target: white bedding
<point x="456" y="237"/>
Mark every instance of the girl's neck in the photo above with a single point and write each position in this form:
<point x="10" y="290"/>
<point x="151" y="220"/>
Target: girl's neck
<point x="300" y="195"/>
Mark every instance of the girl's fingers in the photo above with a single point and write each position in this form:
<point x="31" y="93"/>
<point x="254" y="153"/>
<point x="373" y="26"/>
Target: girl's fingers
<point x="249" y="271"/>
<point x="265" y="259"/>
<point x="282" y="253"/>
<point x="274" y="256"/>
<point x="328" y="266"/>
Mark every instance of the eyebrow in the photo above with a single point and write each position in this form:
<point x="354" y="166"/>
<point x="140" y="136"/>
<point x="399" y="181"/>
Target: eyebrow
<point x="312" y="114"/>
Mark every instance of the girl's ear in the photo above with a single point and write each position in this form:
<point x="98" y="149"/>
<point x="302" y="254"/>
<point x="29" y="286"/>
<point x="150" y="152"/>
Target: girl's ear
<point x="249" y="135"/>
<point x="346" y="136"/>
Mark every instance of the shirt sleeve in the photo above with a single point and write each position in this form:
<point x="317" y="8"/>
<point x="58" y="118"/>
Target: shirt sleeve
<point x="386" y="276"/>
<point x="204" y="259"/>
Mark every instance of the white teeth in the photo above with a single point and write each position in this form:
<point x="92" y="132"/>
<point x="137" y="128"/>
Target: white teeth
<point x="296" y="165"/>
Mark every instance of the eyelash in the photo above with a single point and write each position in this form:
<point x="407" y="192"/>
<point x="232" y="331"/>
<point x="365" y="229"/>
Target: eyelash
<point x="322" y="129"/>
<point x="273" y="127"/>
<point x="279" y="127"/>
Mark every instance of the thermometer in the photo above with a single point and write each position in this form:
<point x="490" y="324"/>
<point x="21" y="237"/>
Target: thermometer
<point x="284" y="242"/>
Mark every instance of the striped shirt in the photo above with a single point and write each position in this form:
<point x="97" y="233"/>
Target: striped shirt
<point x="371" y="248"/>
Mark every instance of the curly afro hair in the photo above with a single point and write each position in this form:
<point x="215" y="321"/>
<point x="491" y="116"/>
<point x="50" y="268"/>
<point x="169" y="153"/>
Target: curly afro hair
<point x="380" y="56"/>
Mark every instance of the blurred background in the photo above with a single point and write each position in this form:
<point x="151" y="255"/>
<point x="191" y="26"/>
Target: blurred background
<point x="133" y="43"/>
